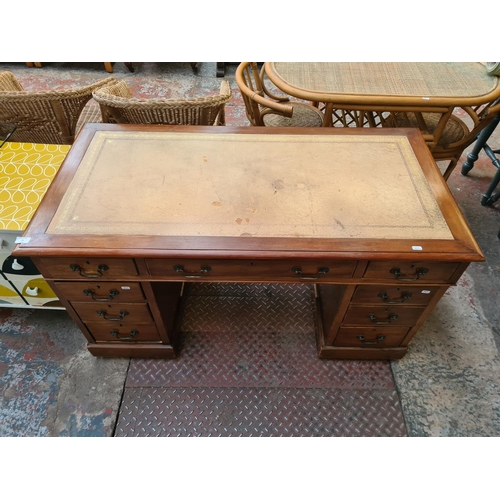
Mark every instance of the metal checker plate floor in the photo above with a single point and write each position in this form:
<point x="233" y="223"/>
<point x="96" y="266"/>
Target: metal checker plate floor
<point x="248" y="367"/>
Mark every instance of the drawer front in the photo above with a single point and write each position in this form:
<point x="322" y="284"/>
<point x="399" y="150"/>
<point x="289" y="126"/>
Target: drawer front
<point x="132" y="333"/>
<point x="409" y="272"/>
<point x="393" y="295"/>
<point x="80" y="268"/>
<point x="370" y="337"/>
<point x="109" y="313"/>
<point x="382" y="316"/>
<point x="308" y="271"/>
<point x="101" y="291"/>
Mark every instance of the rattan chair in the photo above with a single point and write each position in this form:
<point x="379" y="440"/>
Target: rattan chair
<point x="266" y="109"/>
<point x="446" y="134"/>
<point x="118" y="105"/>
<point x="48" y="117"/>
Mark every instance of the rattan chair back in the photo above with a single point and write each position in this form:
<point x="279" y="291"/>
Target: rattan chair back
<point x="446" y="134"/>
<point x="119" y="106"/>
<point x="48" y="117"/>
<point x="258" y="101"/>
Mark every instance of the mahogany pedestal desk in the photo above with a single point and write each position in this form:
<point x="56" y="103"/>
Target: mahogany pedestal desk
<point x="137" y="210"/>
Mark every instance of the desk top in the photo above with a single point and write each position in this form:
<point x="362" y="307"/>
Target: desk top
<point x="246" y="189"/>
<point x="26" y="171"/>
<point x="458" y="83"/>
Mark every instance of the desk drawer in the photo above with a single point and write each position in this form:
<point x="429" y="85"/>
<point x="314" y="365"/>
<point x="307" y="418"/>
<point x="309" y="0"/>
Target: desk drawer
<point x="370" y="337"/>
<point x="132" y="333"/>
<point x="308" y="271"/>
<point x="113" y="314"/>
<point x="408" y="272"/>
<point x="382" y="316"/>
<point x="393" y="295"/>
<point x="101" y="291"/>
<point x="79" y="268"/>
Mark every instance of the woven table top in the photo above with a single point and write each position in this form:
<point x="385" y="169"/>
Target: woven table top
<point x="445" y="80"/>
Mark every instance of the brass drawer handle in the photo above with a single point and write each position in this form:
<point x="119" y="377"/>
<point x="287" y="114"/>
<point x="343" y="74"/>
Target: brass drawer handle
<point x="385" y="298"/>
<point x="101" y="298"/>
<point x="391" y="318"/>
<point x="421" y="271"/>
<point x="100" y="269"/>
<point x="120" y="316"/>
<point x="298" y="271"/>
<point x="203" y="271"/>
<point x="116" y="333"/>
<point x="380" y="338"/>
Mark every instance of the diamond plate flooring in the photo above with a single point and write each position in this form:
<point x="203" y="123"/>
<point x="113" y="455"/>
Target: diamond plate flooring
<point x="249" y="367"/>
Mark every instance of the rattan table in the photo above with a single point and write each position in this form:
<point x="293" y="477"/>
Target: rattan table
<point x="385" y="84"/>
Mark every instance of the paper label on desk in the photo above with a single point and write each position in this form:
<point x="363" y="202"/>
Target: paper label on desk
<point x="22" y="239"/>
<point x="416" y="247"/>
<point x="125" y="288"/>
<point x="426" y="291"/>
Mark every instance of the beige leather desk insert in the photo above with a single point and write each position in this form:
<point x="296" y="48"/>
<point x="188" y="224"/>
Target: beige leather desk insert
<point x="364" y="215"/>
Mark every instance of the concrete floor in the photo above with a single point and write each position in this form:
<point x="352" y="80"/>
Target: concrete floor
<point x="447" y="385"/>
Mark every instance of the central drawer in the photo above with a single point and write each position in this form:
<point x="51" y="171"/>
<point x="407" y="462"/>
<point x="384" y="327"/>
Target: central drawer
<point x="220" y="270"/>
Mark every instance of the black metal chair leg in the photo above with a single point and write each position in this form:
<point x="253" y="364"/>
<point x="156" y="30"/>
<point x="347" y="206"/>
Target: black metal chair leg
<point x="487" y="198"/>
<point x="482" y="138"/>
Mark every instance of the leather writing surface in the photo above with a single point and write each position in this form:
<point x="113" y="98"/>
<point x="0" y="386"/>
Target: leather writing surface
<point x="311" y="186"/>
